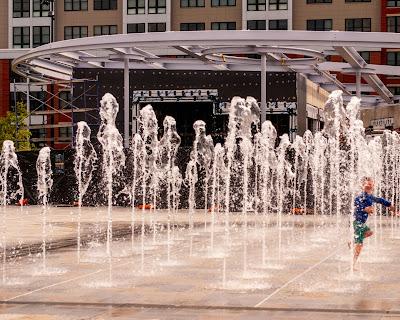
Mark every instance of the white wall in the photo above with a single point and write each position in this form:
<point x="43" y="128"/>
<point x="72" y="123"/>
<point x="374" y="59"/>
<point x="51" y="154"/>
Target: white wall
<point x="147" y="18"/>
<point x="24" y="22"/>
<point x="267" y="14"/>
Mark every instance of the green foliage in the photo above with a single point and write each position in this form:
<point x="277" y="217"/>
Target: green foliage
<point x="13" y="127"/>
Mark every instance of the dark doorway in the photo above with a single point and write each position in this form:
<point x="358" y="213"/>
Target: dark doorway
<point x="281" y="123"/>
<point x="185" y="114"/>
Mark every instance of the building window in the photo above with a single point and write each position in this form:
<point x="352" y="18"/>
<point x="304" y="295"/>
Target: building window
<point x="64" y="99"/>
<point x="65" y="132"/>
<point x="278" y="4"/>
<point x="41" y="35"/>
<point x="75" y="32"/>
<point x="281" y="24"/>
<point x="393" y="24"/>
<point x="136" y="28"/>
<point x="361" y="24"/>
<point x="319" y="25"/>
<point x="319" y="1"/>
<point x="157" y="27"/>
<point x="223" y="3"/>
<point x="393" y="3"/>
<point x="223" y="26"/>
<point x="38" y="135"/>
<point x="393" y="58"/>
<point x="104" y="30"/>
<point x="105" y="4"/>
<point x="256" y="25"/>
<point x="75" y="5"/>
<point x="36" y="99"/>
<point x="136" y="7"/>
<point x="192" y="26"/>
<point x="192" y="3"/>
<point x="366" y="55"/>
<point x="21" y="37"/>
<point x="21" y="8"/>
<point x="256" y="5"/>
<point x="157" y="6"/>
<point x="395" y="90"/>
<point x="40" y="9"/>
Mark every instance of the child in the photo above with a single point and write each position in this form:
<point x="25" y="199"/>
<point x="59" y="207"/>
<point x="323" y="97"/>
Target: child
<point x="363" y="208"/>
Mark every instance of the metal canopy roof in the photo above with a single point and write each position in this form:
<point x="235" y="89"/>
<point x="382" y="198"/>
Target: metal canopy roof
<point x="224" y="50"/>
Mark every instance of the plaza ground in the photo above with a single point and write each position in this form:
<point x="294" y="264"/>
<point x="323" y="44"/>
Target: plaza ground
<point x="307" y="276"/>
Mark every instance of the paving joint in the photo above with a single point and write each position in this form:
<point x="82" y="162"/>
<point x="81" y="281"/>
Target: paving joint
<point x="200" y="307"/>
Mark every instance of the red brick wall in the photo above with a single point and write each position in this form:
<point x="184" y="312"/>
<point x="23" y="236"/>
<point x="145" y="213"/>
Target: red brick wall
<point x="4" y="87"/>
<point x="384" y="13"/>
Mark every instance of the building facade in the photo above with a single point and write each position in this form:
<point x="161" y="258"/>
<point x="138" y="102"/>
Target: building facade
<point x="206" y="15"/>
<point x="361" y="16"/>
<point x="390" y="22"/>
<point x="341" y="15"/>
<point x="387" y="117"/>
<point x="26" y="24"/>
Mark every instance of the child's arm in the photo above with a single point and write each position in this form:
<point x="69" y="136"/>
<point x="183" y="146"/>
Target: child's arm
<point x="383" y="202"/>
<point x="369" y="210"/>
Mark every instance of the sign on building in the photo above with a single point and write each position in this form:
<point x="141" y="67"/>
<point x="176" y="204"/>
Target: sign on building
<point x="382" y="123"/>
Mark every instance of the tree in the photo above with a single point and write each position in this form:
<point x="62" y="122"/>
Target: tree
<point x="13" y="127"/>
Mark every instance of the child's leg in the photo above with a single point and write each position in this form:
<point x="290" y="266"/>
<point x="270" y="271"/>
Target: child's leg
<point x="361" y="231"/>
<point x="357" y="250"/>
<point x="368" y="233"/>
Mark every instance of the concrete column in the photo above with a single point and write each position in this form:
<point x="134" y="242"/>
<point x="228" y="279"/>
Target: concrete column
<point x="263" y="87"/>
<point x="358" y="84"/>
<point x="135" y="109"/>
<point x="28" y="100"/>
<point x="126" y="103"/>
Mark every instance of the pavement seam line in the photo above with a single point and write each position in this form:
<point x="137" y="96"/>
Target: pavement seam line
<point x="295" y="278"/>
<point x="54" y="284"/>
<point x="73" y="279"/>
<point x="200" y="307"/>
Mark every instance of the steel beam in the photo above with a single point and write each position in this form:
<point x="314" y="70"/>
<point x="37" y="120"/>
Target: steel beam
<point x="76" y="56"/>
<point x="379" y="87"/>
<point x="351" y="56"/>
<point x="351" y="87"/>
<point x="200" y="57"/>
<point x="263" y="88"/>
<point x="211" y="50"/>
<point x="126" y="103"/>
<point x="356" y="61"/>
<point x="358" y="84"/>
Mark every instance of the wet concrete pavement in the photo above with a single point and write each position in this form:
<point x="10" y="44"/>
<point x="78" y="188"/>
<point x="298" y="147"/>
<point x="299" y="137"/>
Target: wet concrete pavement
<point x="304" y="276"/>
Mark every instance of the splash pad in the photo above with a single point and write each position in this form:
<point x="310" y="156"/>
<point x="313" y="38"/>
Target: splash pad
<point x="266" y="227"/>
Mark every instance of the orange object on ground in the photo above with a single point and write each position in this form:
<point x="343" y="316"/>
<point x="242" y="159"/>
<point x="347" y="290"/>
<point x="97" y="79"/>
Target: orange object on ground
<point x="146" y="206"/>
<point x="213" y="207"/>
<point x="22" y="202"/>
<point x="297" y="211"/>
